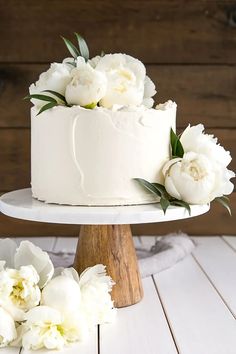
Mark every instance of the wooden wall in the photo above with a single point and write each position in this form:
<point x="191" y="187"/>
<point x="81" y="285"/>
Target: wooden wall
<point x="189" y="48"/>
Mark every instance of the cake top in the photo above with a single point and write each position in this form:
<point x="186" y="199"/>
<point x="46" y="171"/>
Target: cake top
<point x="105" y="80"/>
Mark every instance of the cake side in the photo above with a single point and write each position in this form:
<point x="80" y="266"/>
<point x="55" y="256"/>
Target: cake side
<point x="90" y="157"/>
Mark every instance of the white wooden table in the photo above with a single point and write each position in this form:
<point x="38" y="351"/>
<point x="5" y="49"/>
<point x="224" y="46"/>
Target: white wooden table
<point x="187" y="309"/>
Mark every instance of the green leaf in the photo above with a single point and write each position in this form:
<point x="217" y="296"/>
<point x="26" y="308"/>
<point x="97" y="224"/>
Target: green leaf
<point x="182" y="204"/>
<point x="57" y="94"/>
<point x="225" y="202"/>
<point x="71" y="47"/>
<point x="148" y="186"/>
<point x="41" y="97"/>
<point x="226" y="199"/>
<point x="164" y="204"/>
<point x="91" y="105"/>
<point x="161" y="189"/>
<point x="176" y="146"/>
<point x="73" y="63"/>
<point x="47" y="106"/>
<point x="82" y="46"/>
<point x="172" y="139"/>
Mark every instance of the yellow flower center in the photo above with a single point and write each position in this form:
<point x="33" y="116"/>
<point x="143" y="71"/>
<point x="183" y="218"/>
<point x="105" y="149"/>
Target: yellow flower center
<point x="16" y="294"/>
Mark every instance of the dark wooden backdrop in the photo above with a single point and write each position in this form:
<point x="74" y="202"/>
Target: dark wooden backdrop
<point x="189" y="48"/>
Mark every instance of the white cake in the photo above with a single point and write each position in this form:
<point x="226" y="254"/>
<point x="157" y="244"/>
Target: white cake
<point x="81" y="156"/>
<point x="98" y="139"/>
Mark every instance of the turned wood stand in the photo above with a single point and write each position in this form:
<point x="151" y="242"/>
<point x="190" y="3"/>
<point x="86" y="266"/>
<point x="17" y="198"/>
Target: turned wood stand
<point x="105" y="235"/>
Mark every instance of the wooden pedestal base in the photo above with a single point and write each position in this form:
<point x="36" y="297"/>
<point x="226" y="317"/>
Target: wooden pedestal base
<point x="111" y="245"/>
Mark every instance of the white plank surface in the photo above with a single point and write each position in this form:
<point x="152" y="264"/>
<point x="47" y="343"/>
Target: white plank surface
<point x="139" y="329"/>
<point x="219" y="262"/>
<point x="231" y="240"/>
<point x="200" y="321"/>
<point x="66" y="244"/>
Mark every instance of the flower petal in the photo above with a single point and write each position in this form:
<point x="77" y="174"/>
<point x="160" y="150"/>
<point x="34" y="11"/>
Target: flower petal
<point x="168" y="164"/>
<point x="71" y="273"/>
<point x="16" y="313"/>
<point x="21" y="330"/>
<point x="95" y="295"/>
<point x="41" y="329"/>
<point x="62" y="293"/>
<point x="7" y="250"/>
<point x="7" y="328"/>
<point x="27" y="254"/>
<point x="41" y="314"/>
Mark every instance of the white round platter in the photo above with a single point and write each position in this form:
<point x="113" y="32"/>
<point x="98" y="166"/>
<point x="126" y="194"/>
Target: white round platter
<point x="20" y="204"/>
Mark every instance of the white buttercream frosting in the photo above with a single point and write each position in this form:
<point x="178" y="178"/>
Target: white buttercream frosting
<point x="90" y="157"/>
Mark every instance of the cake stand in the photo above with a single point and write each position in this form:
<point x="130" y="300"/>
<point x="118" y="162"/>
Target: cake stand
<point x="105" y="234"/>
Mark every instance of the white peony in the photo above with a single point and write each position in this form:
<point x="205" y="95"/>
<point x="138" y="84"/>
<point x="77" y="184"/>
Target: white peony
<point x="19" y="290"/>
<point x="196" y="179"/>
<point x="87" y="85"/>
<point x="28" y="253"/>
<point x="149" y="91"/>
<point x="47" y="327"/>
<point x="194" y="139"/>
<point x="125" y="76"/>
<point x="23" y="271"/>
<point x="7" y="328"/>
<point x="56" y="78"/>
<point x="62" y="293"/>
<point x="96" y="300"/>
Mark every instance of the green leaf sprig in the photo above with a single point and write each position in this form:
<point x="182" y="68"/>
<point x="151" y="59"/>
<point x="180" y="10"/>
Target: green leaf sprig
<point x="52" y="102"/>
<point x="177" y="149"/>
<point x="224" y="201"/>
<point x="82" y="49"/>
<point x="55" y="98"/>
<point x="165" y="199"/>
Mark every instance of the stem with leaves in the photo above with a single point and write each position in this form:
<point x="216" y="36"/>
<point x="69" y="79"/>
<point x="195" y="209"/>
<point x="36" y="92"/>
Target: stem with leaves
<point x="166" y="200"/>
<point x="82" y="49"/>
<point x="57" y="100"/>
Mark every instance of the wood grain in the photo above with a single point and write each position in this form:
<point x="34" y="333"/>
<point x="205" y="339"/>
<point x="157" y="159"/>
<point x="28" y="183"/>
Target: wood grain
<point x="15" y="155"/>
<point x="138" y="326"/>
<point x="189" y="298"/>
<point x="111" y="245"/>
<point x="14" y="158"/>
<point x="203" y="93"/>
<point x="170" y="31"/>
<point x="218" y="259"/>
<point x="215" y="222"/>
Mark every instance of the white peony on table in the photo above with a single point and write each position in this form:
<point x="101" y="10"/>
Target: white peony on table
<point x="105" y="235"/>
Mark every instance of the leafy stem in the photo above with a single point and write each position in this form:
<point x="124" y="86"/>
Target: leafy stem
<point x="177" y="149"/>
<point x="224" y="201"/>
<point x="52" y="101"/>
<point x="82" y="49"/>
<point x="165" y="199"/>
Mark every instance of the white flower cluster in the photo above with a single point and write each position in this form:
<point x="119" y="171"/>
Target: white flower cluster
<point x="43" y="307"/>
<point x="201" y="175"/>
<point x="105" y="80"/>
